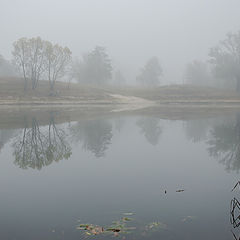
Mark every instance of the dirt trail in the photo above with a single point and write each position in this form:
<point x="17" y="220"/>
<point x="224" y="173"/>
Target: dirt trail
<point x="129" y="103"/>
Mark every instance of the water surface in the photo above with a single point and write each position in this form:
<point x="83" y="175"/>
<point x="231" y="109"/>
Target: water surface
<point x="55" y="176"/>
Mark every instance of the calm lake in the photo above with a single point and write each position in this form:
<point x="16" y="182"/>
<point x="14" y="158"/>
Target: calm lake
<point x="125" y="176"/>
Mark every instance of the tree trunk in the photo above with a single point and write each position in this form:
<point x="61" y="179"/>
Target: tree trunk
<point x="25" y="78"/>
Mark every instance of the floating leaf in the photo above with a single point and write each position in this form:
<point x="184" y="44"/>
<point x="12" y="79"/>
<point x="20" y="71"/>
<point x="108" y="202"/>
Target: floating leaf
<point x="127" y="219"/>
<point x="84" y="225"/>
<point x="116" y="228"/>
<point x="113" y="229"/>
<point x="180" y="190"/>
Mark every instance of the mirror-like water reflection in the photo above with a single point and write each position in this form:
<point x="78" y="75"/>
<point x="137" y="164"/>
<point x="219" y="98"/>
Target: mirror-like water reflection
<point x="55" y="176"/>
<point x="36" y="147"/>
<point x="95" y="135"/>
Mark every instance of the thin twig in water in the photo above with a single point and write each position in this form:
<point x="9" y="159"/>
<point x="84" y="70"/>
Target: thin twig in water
<point x="238" y="183"/>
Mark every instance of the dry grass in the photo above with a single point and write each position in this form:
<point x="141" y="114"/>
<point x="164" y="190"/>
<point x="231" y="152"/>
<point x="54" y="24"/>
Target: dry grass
<point x="181" y="92"/>
<point x="11" y="89"/>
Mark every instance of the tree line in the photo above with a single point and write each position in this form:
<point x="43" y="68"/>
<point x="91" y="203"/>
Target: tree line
<point x="38" y="59"/>
<point x="222" y="67"/>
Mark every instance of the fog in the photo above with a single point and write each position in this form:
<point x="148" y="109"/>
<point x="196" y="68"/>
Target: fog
<point x="177" y="32"/>
<point x="120" y="118"/>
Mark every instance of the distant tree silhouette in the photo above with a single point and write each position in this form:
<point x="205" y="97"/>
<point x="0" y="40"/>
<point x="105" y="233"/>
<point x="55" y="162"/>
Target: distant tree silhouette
<point x="225" y="59"/>
<point x="151" y="73"/>
<point x="94" y="68"/>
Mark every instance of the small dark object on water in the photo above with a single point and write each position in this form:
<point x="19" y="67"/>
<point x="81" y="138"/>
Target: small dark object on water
<point x="165" y="191"/>
<point x="113" y="229"/>
<point x="180" y="190"/>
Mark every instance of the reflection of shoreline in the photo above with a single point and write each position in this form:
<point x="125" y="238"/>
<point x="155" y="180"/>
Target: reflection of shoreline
<point x="13" y="117"/>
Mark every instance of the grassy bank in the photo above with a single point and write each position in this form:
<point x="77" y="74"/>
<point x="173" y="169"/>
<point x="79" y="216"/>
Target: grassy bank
<point x="12" y="93"/>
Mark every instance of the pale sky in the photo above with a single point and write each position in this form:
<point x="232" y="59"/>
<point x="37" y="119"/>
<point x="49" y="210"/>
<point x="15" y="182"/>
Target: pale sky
<point x="176" y="31"/>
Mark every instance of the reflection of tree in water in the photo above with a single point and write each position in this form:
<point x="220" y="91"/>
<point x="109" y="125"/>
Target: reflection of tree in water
<point x="95" y="135"/>
<point x="40" y="146"/>
<point x="150" y="129"/>
<point x="196" y="130"/>
<point x="224" y="144"/>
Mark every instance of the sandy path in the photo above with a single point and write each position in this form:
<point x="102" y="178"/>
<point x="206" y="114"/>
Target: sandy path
<point x="129" y="103"/>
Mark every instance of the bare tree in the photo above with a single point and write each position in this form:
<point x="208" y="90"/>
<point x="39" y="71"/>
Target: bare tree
<point x="29" y="56"/>
<point x="20" y="55"/>
<point x="36" y="58"/>
<point x="226" y="59"/>
<point x="57" y="58"/>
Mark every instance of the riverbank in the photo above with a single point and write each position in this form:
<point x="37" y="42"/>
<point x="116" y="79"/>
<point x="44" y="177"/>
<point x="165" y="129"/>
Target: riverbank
<point x="116" y="99"/>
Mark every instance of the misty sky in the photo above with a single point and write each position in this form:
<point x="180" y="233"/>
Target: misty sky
<point x="176" y="31"/>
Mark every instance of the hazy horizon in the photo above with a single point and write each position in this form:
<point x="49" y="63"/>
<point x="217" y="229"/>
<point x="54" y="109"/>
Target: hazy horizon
<point x="177" y="32"/>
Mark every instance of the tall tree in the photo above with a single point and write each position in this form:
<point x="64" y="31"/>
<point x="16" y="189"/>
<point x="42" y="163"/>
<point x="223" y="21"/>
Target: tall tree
<point x="29" y="56"/>
<point x="20" y="58"/>
<point x="151" y="73"/>
<point x="94" y="68"/>
<point x="57" y="59"/>
<point x="37" y="58"/>
<point x="226" y="59"/>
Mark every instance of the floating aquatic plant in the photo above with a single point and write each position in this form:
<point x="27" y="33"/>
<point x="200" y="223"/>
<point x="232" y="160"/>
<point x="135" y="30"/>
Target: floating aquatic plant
<point x="116" y="228"/>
